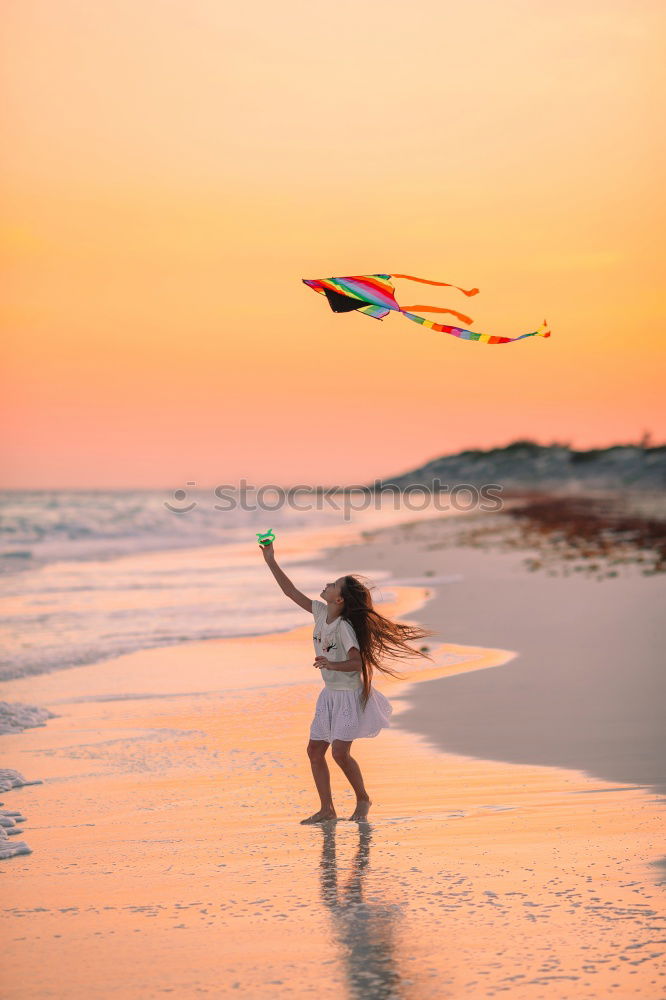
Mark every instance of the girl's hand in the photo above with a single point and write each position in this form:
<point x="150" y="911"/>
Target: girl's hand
<point x="267" y="552"/>
<point x="322" y="662"/>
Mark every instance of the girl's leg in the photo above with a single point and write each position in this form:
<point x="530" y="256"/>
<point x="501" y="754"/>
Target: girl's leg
<point x="317" y="754"/>
<point x="343" y="757"/>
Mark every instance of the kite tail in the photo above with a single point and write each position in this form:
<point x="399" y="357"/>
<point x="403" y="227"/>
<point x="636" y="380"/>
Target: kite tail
<point x="437" y="309"/>
<point x="485" y="338"/>
<point x="442" y="284"/>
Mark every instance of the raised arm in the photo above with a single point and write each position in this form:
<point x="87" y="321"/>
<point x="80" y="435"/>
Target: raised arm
<point x="284" y="583"/>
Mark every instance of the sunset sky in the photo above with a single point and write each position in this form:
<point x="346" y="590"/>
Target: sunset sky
<point x="172" y="169"/>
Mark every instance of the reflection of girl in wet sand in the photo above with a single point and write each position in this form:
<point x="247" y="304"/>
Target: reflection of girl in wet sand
<point x="365" y="930"/>
<point x="349" y="636"/>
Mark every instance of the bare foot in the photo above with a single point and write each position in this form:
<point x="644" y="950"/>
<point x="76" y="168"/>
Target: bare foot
<point x="321" y="816"/>
<point x="361" y="811"/>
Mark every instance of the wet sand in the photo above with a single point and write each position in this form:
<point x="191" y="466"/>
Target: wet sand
<point x="167" y="853"/>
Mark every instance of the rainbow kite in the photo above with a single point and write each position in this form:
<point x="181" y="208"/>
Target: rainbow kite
<point x="374" y="295"/>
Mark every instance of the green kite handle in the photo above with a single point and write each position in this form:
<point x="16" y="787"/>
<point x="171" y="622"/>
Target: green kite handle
<point x="267" y="538"/>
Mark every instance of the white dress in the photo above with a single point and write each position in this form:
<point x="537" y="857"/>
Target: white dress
<point x="339" y="712"/>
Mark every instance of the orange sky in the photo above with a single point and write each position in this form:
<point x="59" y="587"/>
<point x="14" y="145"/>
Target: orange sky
<point x="172" y="170"/>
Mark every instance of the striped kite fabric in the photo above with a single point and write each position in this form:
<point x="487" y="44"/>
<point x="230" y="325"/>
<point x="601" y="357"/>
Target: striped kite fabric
<point x="374" y="295"/>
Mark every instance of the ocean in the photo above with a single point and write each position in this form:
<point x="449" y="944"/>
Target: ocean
<point x="89" y="575"/>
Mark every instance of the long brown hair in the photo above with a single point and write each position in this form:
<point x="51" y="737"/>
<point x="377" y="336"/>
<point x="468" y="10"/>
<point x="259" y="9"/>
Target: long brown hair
<point x="377" y="636"/>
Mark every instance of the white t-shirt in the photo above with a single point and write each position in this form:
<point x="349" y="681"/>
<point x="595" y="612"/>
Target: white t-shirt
<point x="334" y="641"/>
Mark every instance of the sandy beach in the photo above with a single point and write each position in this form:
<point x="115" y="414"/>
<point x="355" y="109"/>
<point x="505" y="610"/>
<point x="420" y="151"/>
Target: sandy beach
<point x="515" y="843"/>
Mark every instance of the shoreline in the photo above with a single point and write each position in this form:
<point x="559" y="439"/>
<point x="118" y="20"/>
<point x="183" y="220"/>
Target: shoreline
<point x="476" y="639"/>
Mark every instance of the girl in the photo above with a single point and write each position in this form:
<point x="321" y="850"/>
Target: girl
<point x="349" y="636"/>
